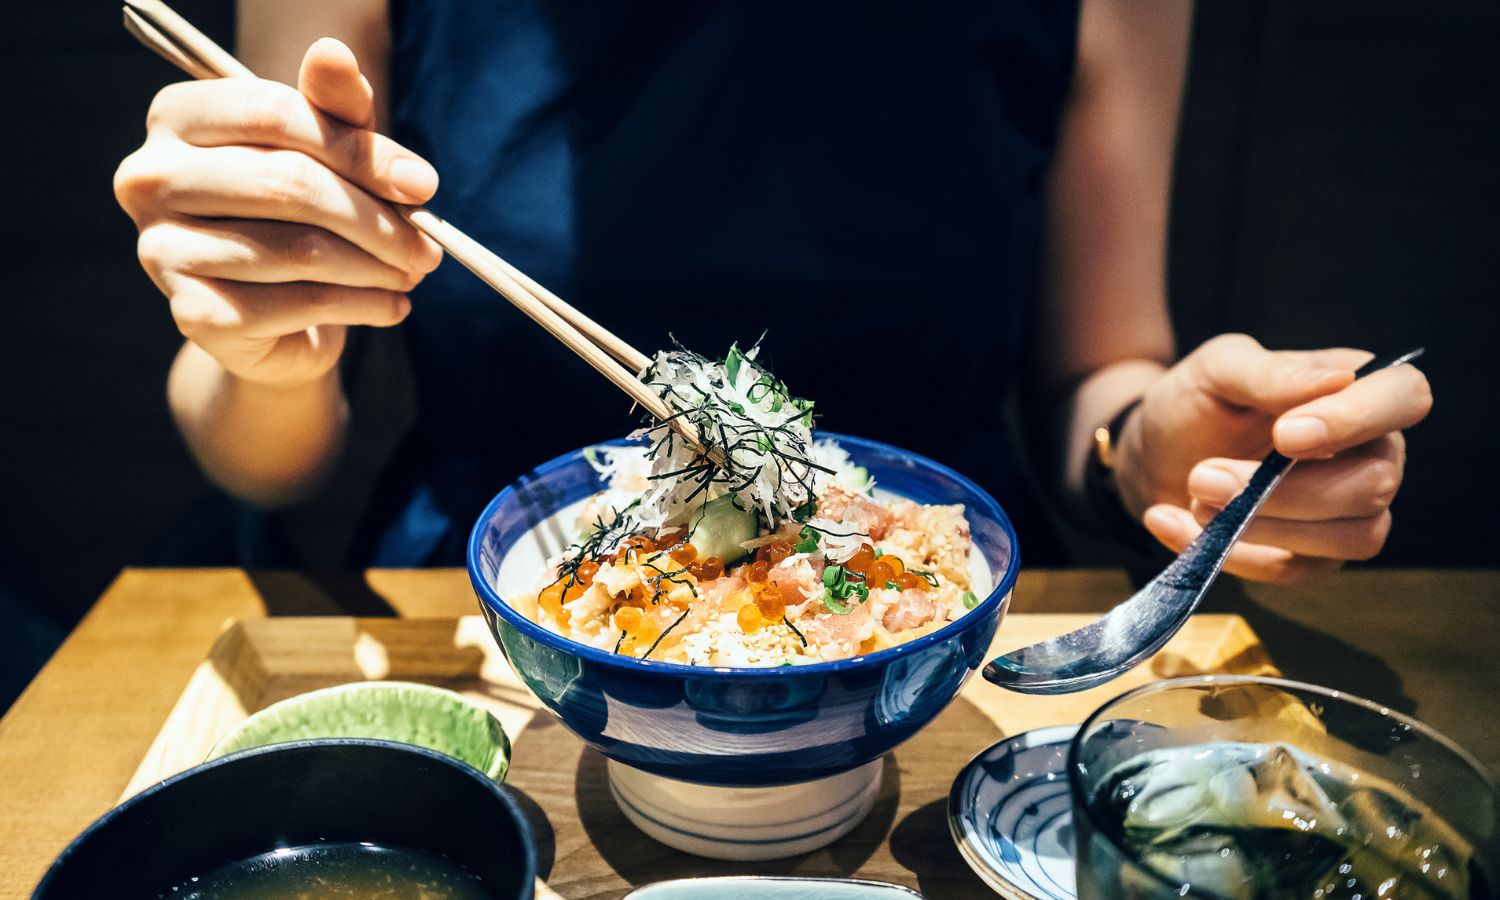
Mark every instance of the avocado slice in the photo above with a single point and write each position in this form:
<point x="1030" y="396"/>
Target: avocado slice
<point x="857" y="478"/>
<point x="719" y="527"/>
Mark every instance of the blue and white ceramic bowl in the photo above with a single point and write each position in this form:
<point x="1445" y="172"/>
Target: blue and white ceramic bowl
<point x="809" y="736"/>
<point x="1012" y="817"/>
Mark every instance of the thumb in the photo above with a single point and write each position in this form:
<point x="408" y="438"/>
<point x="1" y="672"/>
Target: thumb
<point x="330" y="80"/>
<point x="1236" y="369"/>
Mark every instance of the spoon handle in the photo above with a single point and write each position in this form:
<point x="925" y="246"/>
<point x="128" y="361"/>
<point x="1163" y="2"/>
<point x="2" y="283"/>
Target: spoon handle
<point x="1200" y="563"/>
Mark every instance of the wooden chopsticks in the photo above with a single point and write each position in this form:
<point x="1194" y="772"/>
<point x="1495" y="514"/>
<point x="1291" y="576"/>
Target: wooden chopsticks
<point x="175" y="39"/>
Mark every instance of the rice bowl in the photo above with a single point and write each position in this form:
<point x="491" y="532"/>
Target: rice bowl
<point x="662" y="723"/>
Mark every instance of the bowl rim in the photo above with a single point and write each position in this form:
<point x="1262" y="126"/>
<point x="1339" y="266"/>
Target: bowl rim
<point x="500" y="791"/>
<point x="1075" y="746"/>
<point x="490" y="599"/>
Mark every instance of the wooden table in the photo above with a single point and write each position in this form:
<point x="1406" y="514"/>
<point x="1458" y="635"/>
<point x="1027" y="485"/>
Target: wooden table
<point x="1420" y="641"/>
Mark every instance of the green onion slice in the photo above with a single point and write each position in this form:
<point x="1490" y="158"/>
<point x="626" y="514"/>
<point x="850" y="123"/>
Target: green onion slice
<point x="834" y="606"/>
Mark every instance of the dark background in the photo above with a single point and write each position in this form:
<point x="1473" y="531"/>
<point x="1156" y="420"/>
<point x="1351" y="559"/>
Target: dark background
<point x="1338" y="180"/>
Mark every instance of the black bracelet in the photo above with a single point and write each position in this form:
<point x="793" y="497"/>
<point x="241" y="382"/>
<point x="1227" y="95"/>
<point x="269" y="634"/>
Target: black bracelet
<point x="1104" y="493"/>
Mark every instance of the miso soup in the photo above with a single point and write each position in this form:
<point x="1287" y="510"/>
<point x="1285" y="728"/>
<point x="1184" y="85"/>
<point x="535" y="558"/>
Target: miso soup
<point x="1270" y="821"/>
<point x="335" y="871"/>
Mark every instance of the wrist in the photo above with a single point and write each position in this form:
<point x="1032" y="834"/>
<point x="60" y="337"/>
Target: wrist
<point x="266" y="443"/>
<point x="325" y="386"/>
<point x="201" y="378"/>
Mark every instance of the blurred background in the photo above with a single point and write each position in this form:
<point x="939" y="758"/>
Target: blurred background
<point x="1338" y="182"/>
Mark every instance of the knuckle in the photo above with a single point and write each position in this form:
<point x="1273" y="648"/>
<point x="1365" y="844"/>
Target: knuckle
<point x="416" y="257"/>
<point x="154" y="246"/>
<point x="354" y="154"/>
<point x="124" y="180"/>
<point x="197" y="315"/>
<point x="1423" y="394"/>
<point x="1218" y="362"/>
<point x="294" y="184"/>
<point x="140" y="182"/>
<point x="426" y="255"/>
<point x="1385" y="481"/>
<point x="167" y="105"/>
<point x="305" y="248"/>
<point x="1373" y="538"/>
<point x="313" y="294"/>
<point x="395" y="307"/>
<point x="1229" y="343"/>
<point x="268" y="109"/>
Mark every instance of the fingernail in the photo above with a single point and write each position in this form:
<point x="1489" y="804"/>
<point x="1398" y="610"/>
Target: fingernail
<point x="1160" y="522"/>
<point x="413" y="177"/>
<point x="1212" y="484"/>
<point x="1301" y="433"/>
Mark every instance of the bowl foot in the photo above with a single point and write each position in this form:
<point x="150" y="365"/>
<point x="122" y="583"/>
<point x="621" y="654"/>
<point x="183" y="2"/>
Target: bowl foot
<point x="747" y="823"/>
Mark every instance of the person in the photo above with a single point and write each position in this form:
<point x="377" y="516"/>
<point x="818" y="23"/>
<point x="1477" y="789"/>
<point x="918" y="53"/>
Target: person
<point x="928" y="211"/>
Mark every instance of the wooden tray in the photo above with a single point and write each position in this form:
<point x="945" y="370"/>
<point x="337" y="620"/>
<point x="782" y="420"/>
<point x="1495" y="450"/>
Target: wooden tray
<point x="585" y="847"/>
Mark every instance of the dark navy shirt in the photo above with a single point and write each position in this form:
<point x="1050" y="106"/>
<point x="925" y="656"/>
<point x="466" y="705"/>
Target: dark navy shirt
<point x="861" y="181"/>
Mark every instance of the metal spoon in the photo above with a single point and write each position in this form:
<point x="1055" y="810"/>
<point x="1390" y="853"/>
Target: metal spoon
<point x="1137" y="628"/>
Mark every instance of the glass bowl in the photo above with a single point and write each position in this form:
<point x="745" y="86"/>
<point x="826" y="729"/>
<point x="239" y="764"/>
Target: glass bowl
<point x="1344" y="758"/>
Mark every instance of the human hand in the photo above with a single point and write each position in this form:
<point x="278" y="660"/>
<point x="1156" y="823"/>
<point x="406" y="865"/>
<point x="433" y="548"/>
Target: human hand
<point x="1202" y="429"/>
<point x="260" y="216"/>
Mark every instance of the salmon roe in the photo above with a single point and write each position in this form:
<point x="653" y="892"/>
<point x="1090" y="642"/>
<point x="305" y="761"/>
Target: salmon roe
<point x="749" y="617"/>
<point x="860" y="562"/>
<point x="776" y="551"/>
<point x="637" y="543"/>
<point x="880" y="572"/>
<point x="907" y="581"/>
<point x="587" y="570"/>
<point x="550" y="598"/>
<point x="758" y="572"/>
<point x="684" y="554"/>
<point x="628" y="618"/>
<point x="709" y="569"/>
<point x="770" y="606"/>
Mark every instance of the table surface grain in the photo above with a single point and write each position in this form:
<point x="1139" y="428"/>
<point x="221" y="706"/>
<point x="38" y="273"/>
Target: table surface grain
<point x="1421" y="641"/>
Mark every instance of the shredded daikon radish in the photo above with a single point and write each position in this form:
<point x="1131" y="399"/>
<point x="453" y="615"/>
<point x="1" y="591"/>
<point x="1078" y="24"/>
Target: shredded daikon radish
<point x="738" y="408"/>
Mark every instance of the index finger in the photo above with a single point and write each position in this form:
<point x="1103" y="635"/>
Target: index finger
<point x="1376" y="405"/>
<point x="236" y="111"/>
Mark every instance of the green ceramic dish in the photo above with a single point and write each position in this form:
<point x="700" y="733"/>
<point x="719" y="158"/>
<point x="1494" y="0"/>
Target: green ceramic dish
<point x="417" y="714"/>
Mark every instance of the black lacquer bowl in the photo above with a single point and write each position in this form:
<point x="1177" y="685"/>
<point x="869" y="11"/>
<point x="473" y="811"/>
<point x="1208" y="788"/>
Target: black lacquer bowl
<point x="292" y="794"/>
